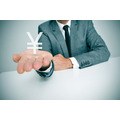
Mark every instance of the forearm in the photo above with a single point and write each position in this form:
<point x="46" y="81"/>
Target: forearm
<point x="98" y="55"/>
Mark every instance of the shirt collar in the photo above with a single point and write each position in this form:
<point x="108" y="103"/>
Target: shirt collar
<point x="62" y="25"/>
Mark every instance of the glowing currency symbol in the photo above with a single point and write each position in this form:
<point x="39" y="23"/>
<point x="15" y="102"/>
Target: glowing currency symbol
<point x="34" y="43"/>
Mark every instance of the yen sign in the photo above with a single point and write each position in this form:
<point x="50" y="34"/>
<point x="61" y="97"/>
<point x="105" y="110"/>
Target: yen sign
<point x="34" y="43"/>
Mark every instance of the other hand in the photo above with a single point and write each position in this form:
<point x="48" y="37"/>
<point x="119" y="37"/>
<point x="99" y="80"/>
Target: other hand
<point x="61" y="63"/>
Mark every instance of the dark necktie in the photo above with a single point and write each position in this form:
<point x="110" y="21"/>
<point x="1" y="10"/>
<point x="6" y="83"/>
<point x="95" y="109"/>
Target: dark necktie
<point x="67" y="38"/>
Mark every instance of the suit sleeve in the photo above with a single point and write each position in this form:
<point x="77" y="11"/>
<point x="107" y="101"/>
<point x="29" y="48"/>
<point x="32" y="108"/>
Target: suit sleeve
<point x="46" y="46"/>
<point x="46" y="74"/>
<point x="98" y="51"/>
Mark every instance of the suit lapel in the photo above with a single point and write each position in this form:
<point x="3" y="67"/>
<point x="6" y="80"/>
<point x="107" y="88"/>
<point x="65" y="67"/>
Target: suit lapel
<point x="57" y="33"/>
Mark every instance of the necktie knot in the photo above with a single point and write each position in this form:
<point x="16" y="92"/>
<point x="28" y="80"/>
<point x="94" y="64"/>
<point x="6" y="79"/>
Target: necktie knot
<point x="66" y="27"/>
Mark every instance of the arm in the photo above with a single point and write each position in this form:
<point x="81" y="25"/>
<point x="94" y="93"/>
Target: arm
<point x="98" y="51"/>
<point x="45" y="72"/>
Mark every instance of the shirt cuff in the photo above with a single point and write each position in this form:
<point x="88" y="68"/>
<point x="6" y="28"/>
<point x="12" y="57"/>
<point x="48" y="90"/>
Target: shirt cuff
<point x="47" y="70"/>
<point x="74" y="62"/>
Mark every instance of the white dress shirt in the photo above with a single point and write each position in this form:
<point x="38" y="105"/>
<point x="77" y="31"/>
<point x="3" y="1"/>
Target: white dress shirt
<point x="73" y="60"/>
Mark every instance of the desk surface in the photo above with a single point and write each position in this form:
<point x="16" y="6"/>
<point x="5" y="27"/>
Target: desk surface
<point x="99" y="82"/>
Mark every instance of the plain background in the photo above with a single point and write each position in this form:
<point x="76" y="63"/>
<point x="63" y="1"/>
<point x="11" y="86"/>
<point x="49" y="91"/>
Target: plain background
<point x="13" y="38"/>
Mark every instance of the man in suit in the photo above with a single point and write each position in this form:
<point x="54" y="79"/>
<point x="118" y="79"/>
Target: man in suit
<point x="66" y="44"/>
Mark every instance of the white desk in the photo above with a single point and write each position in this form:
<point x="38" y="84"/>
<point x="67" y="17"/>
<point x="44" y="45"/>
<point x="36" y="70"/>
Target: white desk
<point x="98" y="82"/>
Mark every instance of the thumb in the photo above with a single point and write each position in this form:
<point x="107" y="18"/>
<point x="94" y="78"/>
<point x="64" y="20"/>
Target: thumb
<point x="16" y="57"/>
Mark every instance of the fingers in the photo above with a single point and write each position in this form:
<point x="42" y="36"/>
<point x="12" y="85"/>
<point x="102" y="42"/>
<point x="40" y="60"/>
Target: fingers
<point x="41" y="62"/>
<point x="21" y="63"/>
<point x="16" y="57"/>
<point x="28" y="65"/>
<point x="38" y="63"/>
<point x="46" y="62"/>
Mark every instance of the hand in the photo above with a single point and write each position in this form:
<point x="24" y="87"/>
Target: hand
<point x="28" y="61"/>
<point x="61" y="63"/>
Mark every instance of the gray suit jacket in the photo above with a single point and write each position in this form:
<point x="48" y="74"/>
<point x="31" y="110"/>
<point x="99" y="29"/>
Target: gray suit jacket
<point x="86" y="45"/>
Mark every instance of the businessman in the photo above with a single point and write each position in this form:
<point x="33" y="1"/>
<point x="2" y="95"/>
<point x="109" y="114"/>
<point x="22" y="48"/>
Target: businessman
<point x="66" y="44"/>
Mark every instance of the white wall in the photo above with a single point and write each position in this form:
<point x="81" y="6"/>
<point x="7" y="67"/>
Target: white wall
<point x="13" y="38"/>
